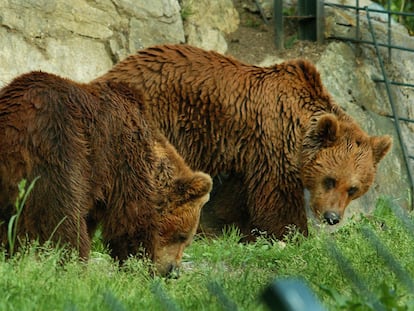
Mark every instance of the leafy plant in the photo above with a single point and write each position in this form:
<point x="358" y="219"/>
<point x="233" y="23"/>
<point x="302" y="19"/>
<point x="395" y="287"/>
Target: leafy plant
<point x="19" y="205"/>
<point x="401" y="6"/>
<point x="252" y="22"/>
<point x="186" y="10"/>
<point x="387" y="297"/>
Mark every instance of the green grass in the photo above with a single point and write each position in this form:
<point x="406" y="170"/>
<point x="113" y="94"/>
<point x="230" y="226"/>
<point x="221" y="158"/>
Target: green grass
<point x="220" y="274"/>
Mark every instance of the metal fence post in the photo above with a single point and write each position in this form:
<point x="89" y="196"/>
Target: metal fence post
<point x="278" y="16"/>
<point x="310" y="19"/>
<point x="307" y="19"/>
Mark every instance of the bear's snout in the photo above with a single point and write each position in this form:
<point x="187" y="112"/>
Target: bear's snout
<point x="173" y="272"/>
<point x="331" y="218"/>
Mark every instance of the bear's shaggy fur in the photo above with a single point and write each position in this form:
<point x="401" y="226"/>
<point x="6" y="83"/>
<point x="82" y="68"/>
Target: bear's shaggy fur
<point x="274" y="131"/>
<point x="99" y="162"/>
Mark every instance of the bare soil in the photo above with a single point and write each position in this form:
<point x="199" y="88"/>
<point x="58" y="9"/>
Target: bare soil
<point x="254" y="40"/>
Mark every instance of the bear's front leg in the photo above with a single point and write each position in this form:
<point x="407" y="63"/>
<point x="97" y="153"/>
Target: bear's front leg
<point x="276" y="211"/>
<point x="70" y="230"/>
<point x="130" y="245"/>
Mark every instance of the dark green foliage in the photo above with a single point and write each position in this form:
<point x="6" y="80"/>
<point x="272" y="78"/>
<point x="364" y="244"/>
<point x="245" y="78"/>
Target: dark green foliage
<point x="406" y="6"/>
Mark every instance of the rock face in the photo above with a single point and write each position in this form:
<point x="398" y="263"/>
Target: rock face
<point x="82" y="39"/>
<point x="206" y="22"/>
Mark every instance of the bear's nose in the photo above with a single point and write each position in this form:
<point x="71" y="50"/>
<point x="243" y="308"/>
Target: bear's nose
<point x="331" y="218"/>
<point x="173" y="272"/>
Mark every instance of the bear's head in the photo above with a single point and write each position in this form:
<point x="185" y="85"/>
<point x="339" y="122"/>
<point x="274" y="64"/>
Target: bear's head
<point x="180" y="220"/>
<point x="182" y="194"/>
<point x="339" y="162"/>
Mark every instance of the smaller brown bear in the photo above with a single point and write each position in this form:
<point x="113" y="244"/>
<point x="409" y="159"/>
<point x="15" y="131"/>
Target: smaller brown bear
<point x="100" y="163"/>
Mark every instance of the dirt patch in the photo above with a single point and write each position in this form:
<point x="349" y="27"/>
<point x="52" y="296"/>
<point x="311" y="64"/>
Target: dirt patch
<point x="254" y="40"/>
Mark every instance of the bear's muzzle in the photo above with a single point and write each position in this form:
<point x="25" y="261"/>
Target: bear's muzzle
<point x="332" y="218"/>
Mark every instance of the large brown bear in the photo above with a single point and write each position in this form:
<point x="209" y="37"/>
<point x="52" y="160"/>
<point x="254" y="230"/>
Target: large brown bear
<point x="99" y="162"/>
<point x="274" y="131"/>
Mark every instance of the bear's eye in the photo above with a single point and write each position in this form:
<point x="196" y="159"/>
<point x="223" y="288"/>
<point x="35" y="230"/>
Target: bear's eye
<point x="352" y="191"/>
<point x="181" y="237"/>
<point x="329" y="183"/>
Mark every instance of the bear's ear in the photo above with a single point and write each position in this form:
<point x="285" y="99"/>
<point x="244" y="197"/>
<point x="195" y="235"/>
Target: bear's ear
<point x="327" y="129"/>
<point x="380" y="146"/>
<point x="311" y="75"/>
<point x="192" y="188"/>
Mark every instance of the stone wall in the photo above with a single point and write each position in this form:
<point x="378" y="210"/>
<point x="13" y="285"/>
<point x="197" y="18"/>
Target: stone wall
<point x="82" y="39"/>
<point x="208" y="21"/>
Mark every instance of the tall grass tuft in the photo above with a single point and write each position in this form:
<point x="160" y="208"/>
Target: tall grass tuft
<point x="19" y="205"/>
